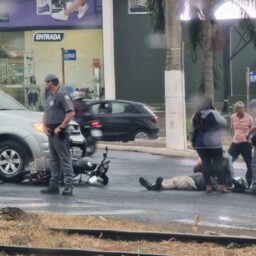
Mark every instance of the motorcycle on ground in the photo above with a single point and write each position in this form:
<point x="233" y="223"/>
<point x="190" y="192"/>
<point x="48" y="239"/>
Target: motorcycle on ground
<point x="85" y="170"/>
<point x="94" y="172"/>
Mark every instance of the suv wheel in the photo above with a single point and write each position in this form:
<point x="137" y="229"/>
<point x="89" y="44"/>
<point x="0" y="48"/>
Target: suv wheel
<point x="141" y="135"/>
<point x="103" y="180"/>
<point x="13" y="159"/>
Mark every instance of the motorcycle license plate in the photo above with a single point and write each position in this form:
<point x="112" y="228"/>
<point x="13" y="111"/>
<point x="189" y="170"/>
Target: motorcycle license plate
<point x="32" y="167"/>
<point x="96" y="133"/>
<point x="93" y="179"/>
<point x="38" y="165"/>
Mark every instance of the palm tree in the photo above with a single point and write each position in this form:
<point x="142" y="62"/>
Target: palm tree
<point x="205" y="33"/>
<point x="174" y="75"/>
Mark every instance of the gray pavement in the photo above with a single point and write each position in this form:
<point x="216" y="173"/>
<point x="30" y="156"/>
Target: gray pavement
<point x="125" y="198"/>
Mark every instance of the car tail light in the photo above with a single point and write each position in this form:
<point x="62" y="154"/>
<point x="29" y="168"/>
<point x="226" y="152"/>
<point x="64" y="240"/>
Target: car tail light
<point x="95" y="123"/>
<point x="154" y="119"/>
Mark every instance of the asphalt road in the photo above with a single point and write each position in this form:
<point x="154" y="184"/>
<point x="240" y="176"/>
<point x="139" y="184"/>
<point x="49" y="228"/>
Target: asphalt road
<point x="124" y="197"/>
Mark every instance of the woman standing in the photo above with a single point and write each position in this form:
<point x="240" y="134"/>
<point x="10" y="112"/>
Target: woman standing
<point x="241" y="123"/>
<point x="205" y="131"/>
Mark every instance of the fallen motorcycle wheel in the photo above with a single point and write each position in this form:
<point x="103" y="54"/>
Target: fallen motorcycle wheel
<point x="103" y="179"/>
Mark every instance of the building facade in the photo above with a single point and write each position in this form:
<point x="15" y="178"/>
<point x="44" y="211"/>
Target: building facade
<point x="111" y="51"/>
<point x="35" y="42"/>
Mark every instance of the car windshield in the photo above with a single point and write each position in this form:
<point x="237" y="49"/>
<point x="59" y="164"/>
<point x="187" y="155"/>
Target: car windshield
<point x="8" y="103"/>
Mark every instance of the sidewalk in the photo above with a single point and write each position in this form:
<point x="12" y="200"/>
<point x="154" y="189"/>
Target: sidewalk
<point x="157" y="147"/>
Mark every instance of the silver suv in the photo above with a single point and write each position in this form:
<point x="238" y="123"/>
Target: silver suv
<point x="22" y="139"/>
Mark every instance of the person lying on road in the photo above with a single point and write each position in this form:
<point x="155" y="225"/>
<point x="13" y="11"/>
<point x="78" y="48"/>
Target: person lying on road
<point x="195" y="181"/>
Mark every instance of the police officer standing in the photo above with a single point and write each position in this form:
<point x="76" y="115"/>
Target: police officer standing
<point x="58" y="113"/>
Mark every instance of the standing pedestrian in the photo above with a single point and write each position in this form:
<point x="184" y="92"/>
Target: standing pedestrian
<point x="241" y="123"/>
<point x="58" y="113"/>
<point x="205" y="131"/>
<point x="33" y="94"/>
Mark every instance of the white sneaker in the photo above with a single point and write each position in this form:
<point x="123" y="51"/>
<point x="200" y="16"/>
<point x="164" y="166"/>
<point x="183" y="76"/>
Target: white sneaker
<point x="60" y="15"/>
<point x="82" y="10"/>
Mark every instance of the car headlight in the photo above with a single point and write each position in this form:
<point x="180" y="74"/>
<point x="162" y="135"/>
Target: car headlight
<point x="38" y="126"/>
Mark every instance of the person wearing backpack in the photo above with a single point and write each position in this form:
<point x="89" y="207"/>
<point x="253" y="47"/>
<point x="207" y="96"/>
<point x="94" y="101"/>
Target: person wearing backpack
<point x="205" y="133"/>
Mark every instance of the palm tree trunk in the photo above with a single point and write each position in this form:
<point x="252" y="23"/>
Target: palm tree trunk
<point x="173" y="36"/>
<point x="174" y="80"/>
<point x="208" y="61"/>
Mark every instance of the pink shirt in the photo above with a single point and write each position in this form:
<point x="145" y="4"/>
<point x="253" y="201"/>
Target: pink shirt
<point x="241" y="127"/>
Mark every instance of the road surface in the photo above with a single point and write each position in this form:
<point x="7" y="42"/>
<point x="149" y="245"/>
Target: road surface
<point x="124" y="197"/>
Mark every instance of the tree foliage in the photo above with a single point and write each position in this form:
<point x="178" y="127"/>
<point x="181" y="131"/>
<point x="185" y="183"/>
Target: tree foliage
<point x="156" y="10"/>
<point x="248" y="25"/>
<point x="195" y="35"/>
<point x="202" y="19"/>
<point x="196" y="28"/>
<point x="200" y="11"/>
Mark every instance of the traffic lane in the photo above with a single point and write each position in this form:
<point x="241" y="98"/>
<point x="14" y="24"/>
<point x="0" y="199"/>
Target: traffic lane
<point x="236" y="210"/>
<point x="215" y="209"/>
<point x="129" y="166"/>
<point x="124" y="197"/>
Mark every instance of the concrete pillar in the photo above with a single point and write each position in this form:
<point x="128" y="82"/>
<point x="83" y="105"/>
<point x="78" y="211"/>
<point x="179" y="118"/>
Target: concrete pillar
<point x="108" y="49"/>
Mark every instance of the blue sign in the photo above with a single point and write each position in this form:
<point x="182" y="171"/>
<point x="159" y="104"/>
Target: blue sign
<point x="253" y="77"/>
<point x="70" y="54"/>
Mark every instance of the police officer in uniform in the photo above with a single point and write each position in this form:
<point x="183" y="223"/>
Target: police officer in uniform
<point x="58" y="113"/>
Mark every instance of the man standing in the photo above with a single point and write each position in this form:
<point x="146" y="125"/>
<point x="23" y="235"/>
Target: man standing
<point x="58" y="113"/>
<point x="241" y="124"/>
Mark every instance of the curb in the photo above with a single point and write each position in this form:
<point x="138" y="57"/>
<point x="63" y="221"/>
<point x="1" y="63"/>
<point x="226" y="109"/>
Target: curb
<point x="149" y="149"/>
<point x="125" y="235"/>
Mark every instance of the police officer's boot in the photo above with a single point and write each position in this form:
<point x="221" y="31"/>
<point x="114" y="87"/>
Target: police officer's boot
<point x="51" y="189"/>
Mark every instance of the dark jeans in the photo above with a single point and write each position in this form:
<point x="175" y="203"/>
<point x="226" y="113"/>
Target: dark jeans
<point x="245" y="149"/>
<point x="212" y="164"/>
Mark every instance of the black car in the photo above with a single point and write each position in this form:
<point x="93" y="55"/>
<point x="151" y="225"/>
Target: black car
<point x="122" y="120"/>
